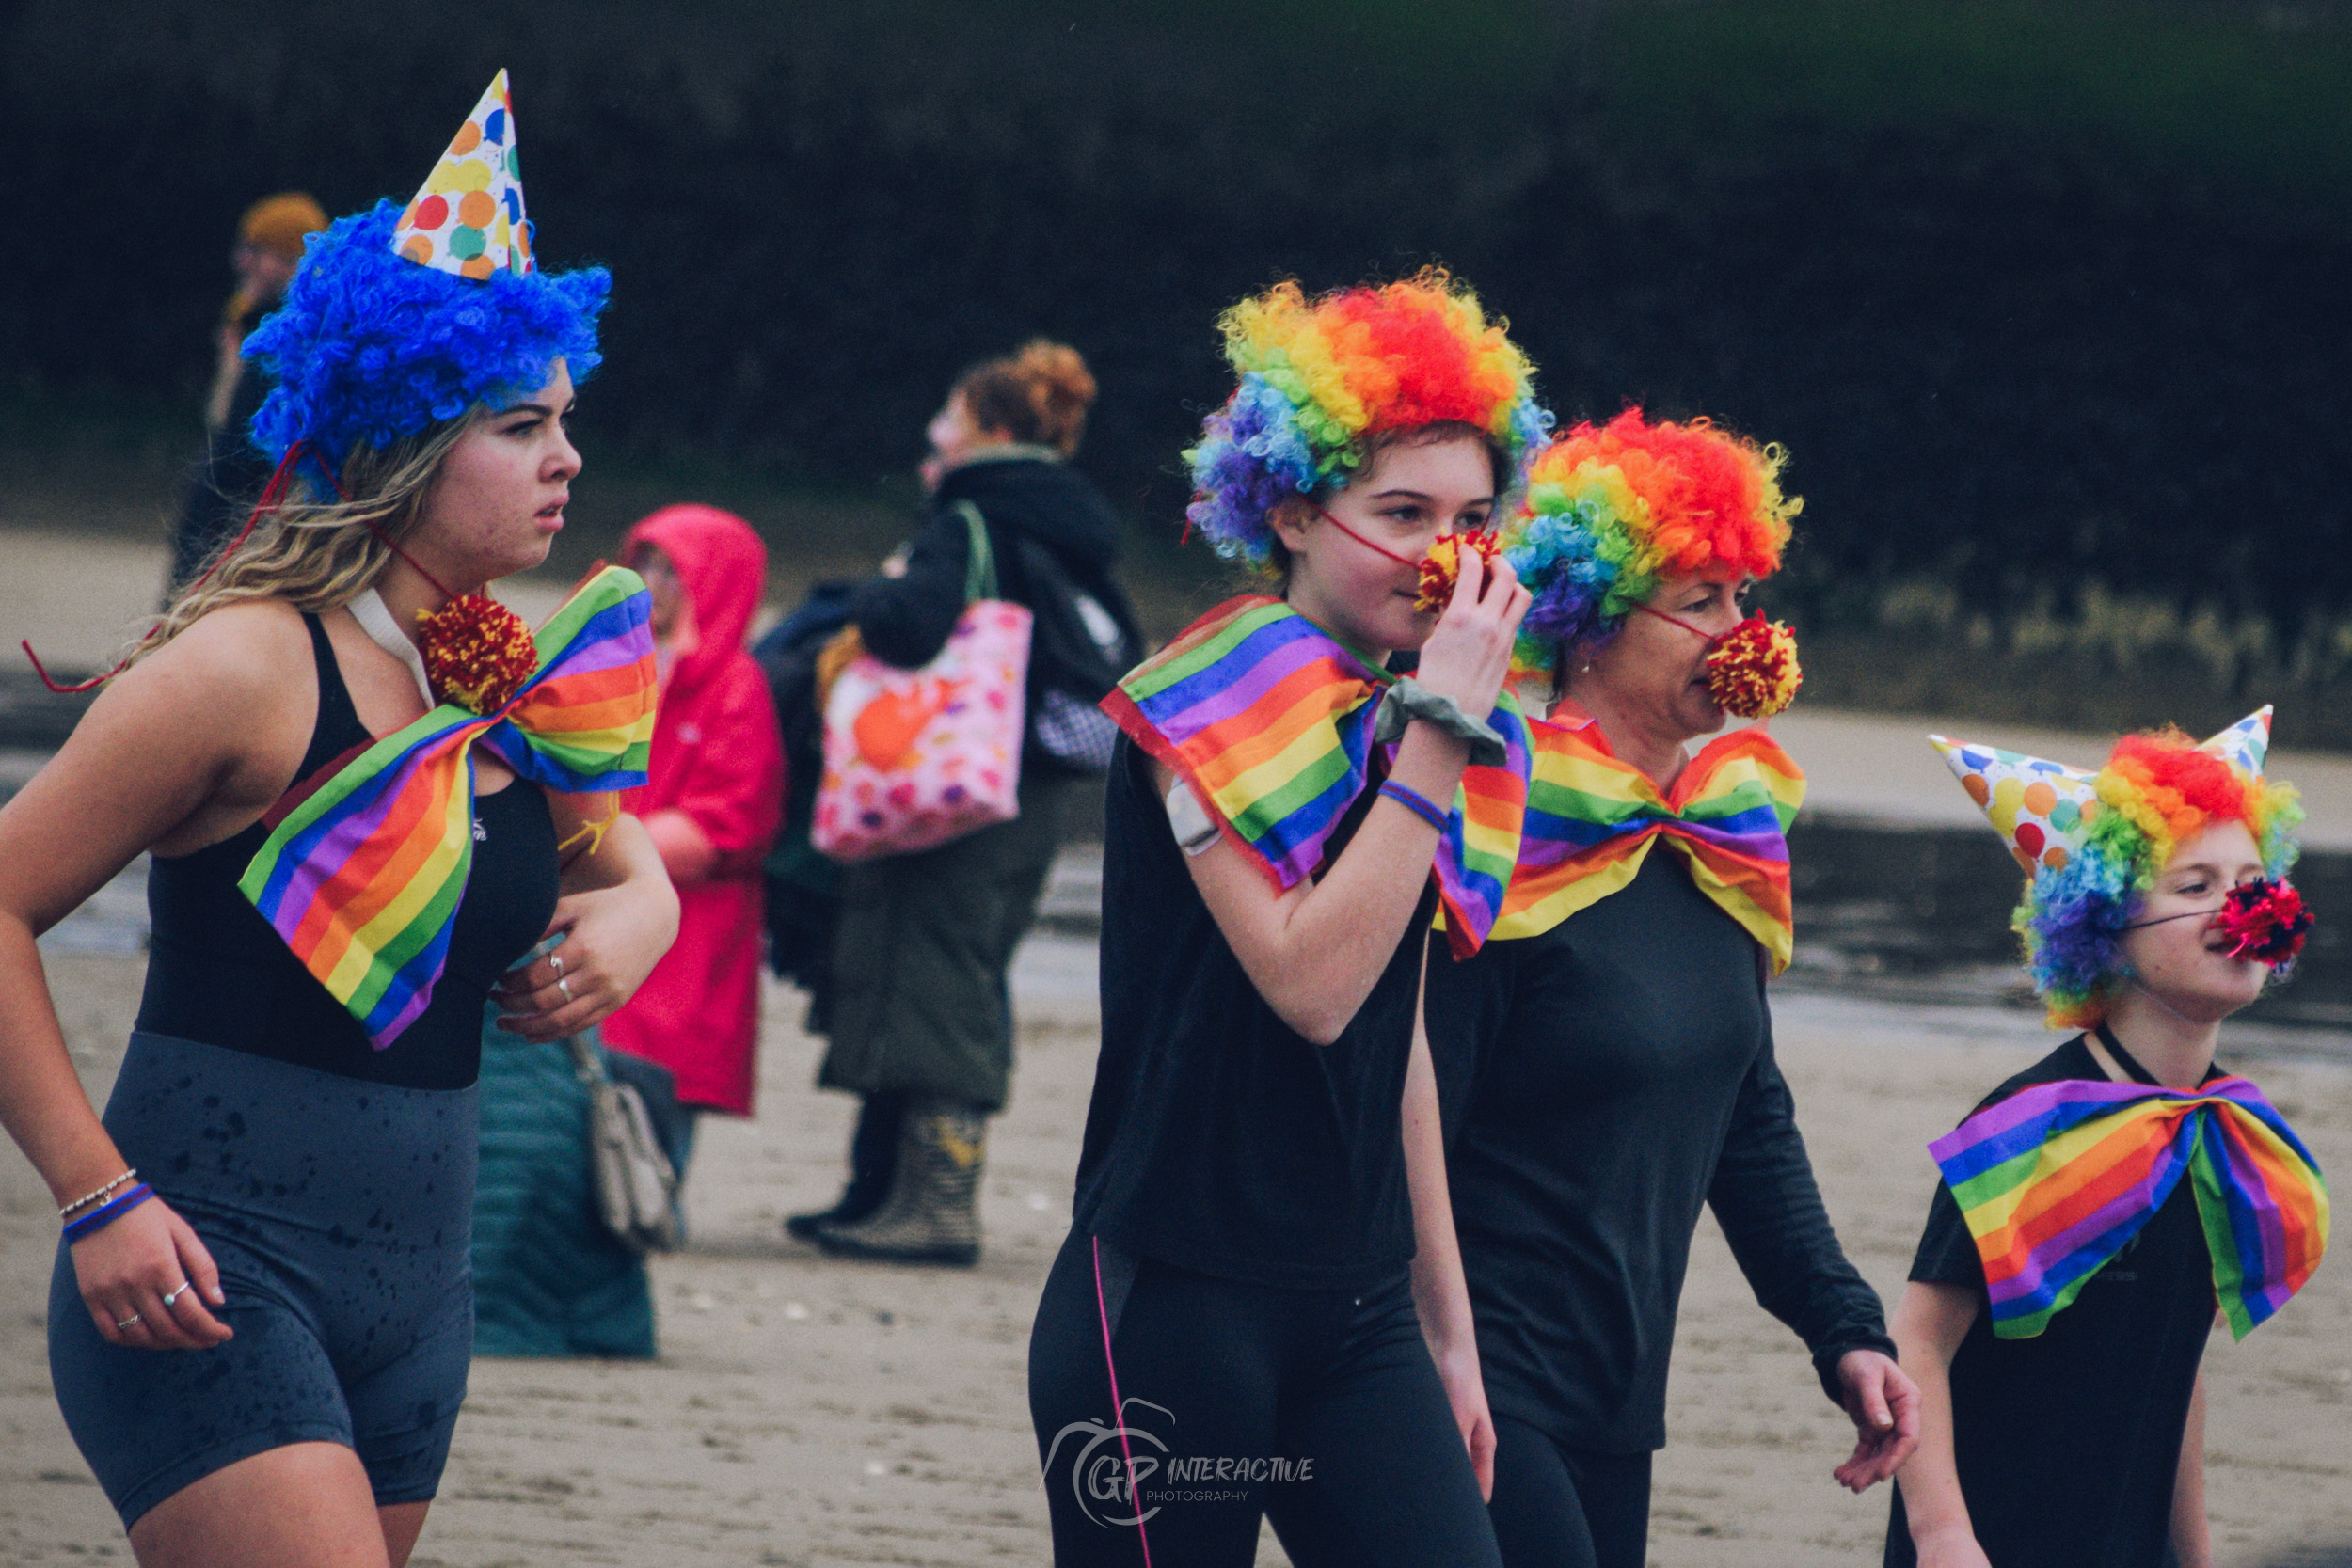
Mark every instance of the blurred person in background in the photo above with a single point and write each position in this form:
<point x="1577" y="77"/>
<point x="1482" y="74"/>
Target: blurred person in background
<point x="922" y="1019"/>
<point x="549" y="1277"/>
<point x="269" y="247"/>
<point x="803" y="883"/>
<point x="712" y="802"/>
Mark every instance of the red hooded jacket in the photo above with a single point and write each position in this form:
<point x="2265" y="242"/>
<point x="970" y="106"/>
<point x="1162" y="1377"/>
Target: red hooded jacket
<point x="716" y="760"/>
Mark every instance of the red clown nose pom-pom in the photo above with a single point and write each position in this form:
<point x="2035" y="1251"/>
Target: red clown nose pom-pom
<point x="477" y="652"/>
<point x="2265" y="920"/>
<point x="1752" y="673"/>
<point x="1442" y="566"/>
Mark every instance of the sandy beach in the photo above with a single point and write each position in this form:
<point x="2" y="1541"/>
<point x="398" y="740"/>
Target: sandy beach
<point x="809" y="1411"/>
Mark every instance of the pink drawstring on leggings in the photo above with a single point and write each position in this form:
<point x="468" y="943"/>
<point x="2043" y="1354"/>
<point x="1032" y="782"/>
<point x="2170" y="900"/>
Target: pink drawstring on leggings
<point x="1119" y="1411"/>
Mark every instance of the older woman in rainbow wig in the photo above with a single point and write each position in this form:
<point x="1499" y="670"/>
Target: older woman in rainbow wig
<point x="1606" y="1062"/>
<point x="2063" y="1410"/>
<point x="1232" y="1330"/>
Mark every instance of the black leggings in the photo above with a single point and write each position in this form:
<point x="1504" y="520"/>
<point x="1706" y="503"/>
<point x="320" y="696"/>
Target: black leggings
<point x="1557" y="1507"/>
<point x="1318" y="1409"/>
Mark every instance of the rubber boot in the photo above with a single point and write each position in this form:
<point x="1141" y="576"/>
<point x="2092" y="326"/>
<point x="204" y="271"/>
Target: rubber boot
<point x="934" y="1212"/>
<point x="873" y="1155"/>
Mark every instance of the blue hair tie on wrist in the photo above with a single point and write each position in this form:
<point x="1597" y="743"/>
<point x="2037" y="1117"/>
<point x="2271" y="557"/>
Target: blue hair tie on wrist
<point x="1417" y="803"/>
<point x="107" y="1213"/>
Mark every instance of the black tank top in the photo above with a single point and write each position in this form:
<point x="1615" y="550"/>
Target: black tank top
<point x="218" y="971"/>
<point x="1219" y="1139"/>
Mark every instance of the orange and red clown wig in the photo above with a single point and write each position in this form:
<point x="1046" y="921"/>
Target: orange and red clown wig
<point x="1321" y="378"/>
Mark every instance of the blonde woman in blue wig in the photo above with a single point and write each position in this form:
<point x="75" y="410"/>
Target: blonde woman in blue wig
<point x="261" y="1314"/>
<point x="1256" y="1314"/>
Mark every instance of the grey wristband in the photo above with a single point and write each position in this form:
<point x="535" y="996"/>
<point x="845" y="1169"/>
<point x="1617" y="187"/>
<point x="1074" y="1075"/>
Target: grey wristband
<point x="1408" y="700"/>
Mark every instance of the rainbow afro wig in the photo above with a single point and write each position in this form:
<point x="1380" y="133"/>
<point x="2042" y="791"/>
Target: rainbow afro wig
<point x="369" y="347"/>
<point x="1320" y="378"/>
<point x="2155" y="791"/>
<point x="1612" y="509"/>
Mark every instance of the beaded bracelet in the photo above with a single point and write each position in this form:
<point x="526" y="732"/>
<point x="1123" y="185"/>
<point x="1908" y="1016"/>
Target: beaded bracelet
<point x="1417" y="803"/>
<point x="107" y="1213"/>
<point x="89" y="1198"/>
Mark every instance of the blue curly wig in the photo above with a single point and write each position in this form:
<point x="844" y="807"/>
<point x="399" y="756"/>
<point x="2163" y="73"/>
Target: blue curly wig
<point x="369" y="347"/>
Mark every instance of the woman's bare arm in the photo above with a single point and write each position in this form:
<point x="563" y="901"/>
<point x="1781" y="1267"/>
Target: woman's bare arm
<point x="1929" y="1323"/>
<point x="618" y="915"/>
<point x="182" y="749"/>
<point x="1316" y="951"/>
<point x="1440" y="1290"/>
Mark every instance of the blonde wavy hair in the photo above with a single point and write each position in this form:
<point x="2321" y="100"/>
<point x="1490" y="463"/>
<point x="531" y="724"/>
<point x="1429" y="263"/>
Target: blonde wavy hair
<point x="319" y="554"/>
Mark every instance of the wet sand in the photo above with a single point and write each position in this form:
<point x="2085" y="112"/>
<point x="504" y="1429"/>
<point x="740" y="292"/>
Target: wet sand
<point x="809" y="1411"/>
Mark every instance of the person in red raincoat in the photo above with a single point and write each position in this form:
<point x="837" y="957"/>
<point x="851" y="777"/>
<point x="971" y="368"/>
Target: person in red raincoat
<point x="713" y="803"/>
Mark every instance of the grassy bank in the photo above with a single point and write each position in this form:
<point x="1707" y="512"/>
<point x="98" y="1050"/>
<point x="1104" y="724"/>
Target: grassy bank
<point x="113" y="468"/>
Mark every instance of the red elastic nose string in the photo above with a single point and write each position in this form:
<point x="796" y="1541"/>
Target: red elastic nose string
<point x="1376" y="548"/>
<point x="1709" y="638"/>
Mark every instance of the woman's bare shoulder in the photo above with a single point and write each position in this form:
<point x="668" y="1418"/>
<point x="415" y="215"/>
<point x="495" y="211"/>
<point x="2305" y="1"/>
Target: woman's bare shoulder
<point x="257" y="649"/>
<point x="236" y="684"/>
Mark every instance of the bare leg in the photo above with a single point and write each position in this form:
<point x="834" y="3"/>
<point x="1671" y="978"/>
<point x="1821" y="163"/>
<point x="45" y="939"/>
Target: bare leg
<point x="402" y="1524"/>
<point x="307" y="1505"/>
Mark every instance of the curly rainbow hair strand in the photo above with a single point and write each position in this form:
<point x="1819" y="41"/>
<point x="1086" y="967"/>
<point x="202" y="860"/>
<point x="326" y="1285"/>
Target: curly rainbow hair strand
<point x="1319" y="378"/>
<point x="2155" y="791"/>
<point x="1612" y="509"/>
<point x="369" y="347"/>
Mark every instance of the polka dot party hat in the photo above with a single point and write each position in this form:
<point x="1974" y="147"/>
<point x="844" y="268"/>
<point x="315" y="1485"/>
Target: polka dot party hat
<point x="467" y="217"/>
<point x="2044" y="809"/>
<point x="2245" y="744"/>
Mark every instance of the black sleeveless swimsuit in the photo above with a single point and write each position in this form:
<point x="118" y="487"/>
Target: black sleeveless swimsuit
<point x="332" y="1183"/>
<point x="219" y="973"/>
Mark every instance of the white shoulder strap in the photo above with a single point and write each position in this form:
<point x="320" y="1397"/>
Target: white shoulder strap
<point x="375" y="618"/>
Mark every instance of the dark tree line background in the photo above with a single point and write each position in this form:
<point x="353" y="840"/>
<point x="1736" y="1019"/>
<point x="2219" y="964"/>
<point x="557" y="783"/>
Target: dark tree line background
<point x="2031" y="313"/>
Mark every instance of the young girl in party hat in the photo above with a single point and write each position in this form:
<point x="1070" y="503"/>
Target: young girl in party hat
<point x="2098" y="1208"/>
<point x="1230" y="1330"/>
<point x="368" y="789"/>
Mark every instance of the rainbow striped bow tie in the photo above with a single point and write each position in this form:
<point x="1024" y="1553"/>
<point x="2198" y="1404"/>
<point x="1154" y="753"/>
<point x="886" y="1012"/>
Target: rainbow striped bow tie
<point x="2054" y="1179"/>
<point x="1269" y="719"/>
<point x="1592" y="819"/>
<point x="361" y="874"/>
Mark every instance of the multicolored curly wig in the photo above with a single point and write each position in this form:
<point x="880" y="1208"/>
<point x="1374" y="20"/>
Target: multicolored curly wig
<point x="2155" y="790"/>
<point x="369" y="347"/>
<point x="1612" y="509"/>
<point x="1320" y="378"/>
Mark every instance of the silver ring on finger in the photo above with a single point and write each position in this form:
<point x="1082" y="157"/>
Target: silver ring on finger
<point x="131" y="1321"/>
<point x="175" y="1296"/>
<point x="565" y="986"/>
<point x="556" y="959"/>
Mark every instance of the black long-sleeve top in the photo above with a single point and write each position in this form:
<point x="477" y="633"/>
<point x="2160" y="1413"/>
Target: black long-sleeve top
<point x="1597" y="1083"/>
<point x="1023" y="499"/>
